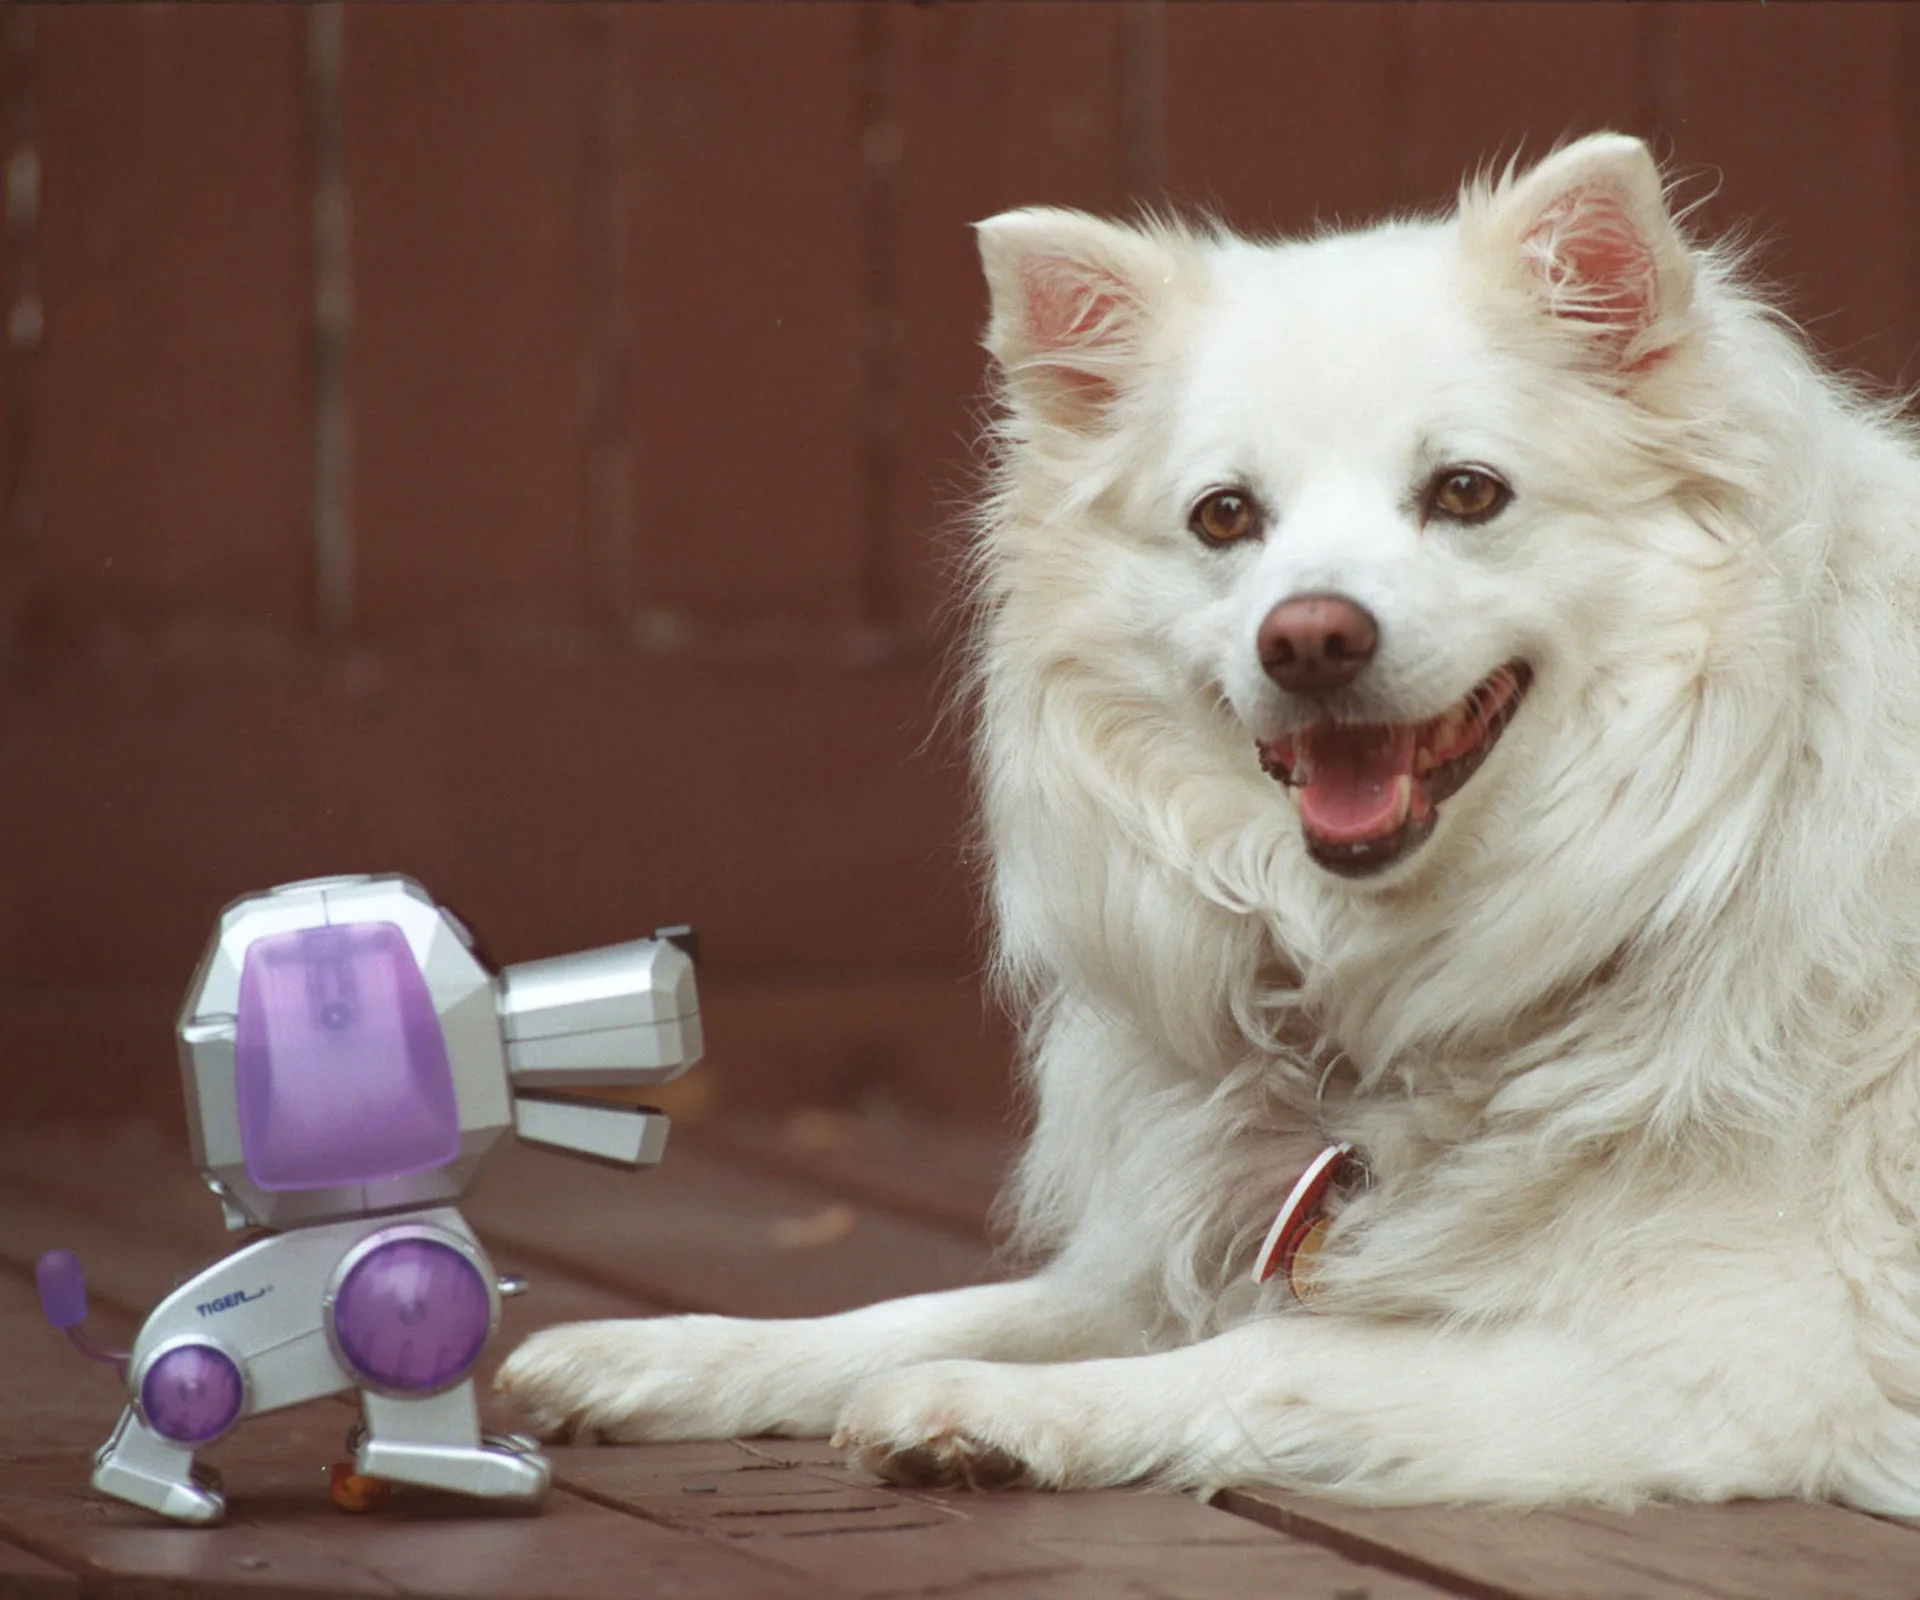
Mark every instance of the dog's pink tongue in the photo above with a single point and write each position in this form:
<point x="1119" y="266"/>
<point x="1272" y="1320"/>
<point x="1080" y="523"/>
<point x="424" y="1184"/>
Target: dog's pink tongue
<point x="1353" y="791"/>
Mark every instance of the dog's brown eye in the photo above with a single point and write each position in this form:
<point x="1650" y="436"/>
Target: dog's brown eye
<point x="1225" y="516"/>
<point x="1467" y="494"/>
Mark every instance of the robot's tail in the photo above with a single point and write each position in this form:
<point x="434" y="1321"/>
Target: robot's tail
<point x="63" y="1299"/>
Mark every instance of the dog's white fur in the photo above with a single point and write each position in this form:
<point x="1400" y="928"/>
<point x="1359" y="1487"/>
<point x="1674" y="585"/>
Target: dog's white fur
<point x="1630" y="1041"/>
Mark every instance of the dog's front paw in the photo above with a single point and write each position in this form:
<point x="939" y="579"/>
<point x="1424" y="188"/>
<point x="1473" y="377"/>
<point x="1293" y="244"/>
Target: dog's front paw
<point x="967" y="1424"/>
<point x="661" y="1378"/>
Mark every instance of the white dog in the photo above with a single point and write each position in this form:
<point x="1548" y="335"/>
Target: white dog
<point x="1453" y="690"/>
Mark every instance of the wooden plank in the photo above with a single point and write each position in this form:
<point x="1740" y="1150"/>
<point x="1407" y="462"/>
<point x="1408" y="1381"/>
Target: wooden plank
<point x="868" y="1541"/>
<point x="701" y="1232"/>
<point x="282" y="1535"/>
<point x="171" y="254"/>
<point x="996" y="105"/>
<point x="573" y="1547"/>
<point x="122" y="1276"/>
<point x="24" y="318"/>
<point x="791" y="1506"/>
<point x="1486" y="81"/>
<point x="433" y="1544"/>
<point x="631" y="787"/>
<point x="739" y="168"/>
<point x="120" y="1549"/>
<point x="941" y="1173"/>
<point x="59" y="1411"/>
<point x="781" y="806"/>
<point x="131" y="1172"/>
<point x="1277" y="115"/>
<point x="126" y="1200"/>
<point x="466" y="165"/>
<point x="1177" y="1547"/>
<point x="706" y="1234"/>
<point x="986" y="1544"/>
<point x="1746" y="1550"/>
<point x="330" y="285"/>
<point x="1831" y="203"/>
<point x="1909" y="368"/>
<point x="925" y="1040"/>
<point x="24" y="1576"/>
<point x="794" y="1503"/>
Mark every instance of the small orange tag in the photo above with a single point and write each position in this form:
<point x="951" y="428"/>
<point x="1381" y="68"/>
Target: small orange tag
<point x="353" y="1491"/>
<point x="1305" y="1265"/>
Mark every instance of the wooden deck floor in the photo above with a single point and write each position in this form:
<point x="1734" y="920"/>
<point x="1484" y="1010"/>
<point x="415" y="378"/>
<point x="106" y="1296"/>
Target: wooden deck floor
<point x="809" y="1214"/>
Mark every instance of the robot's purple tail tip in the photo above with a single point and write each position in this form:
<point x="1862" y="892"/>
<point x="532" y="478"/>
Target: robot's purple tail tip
<point x="63" y="1288"/>
<point x="63" y="1298"/>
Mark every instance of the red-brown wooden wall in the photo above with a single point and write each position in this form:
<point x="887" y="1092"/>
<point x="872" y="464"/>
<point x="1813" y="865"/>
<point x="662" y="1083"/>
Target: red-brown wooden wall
<point x="649" y="335"/>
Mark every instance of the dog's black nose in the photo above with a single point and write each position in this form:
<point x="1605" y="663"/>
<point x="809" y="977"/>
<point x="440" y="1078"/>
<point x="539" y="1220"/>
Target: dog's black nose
<point x="1316" y="642"/>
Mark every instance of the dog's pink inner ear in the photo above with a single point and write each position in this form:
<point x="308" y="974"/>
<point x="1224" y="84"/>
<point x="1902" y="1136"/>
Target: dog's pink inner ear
<point x="1075" y="314"/>
<point x="1597" y="265"/>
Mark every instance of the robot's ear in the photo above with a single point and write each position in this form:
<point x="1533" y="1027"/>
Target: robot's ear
<point x="683" y="938"/>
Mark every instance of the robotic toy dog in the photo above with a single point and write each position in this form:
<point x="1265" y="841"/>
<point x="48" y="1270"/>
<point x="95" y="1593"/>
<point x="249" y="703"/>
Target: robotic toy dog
<point x="349" y="1062"/>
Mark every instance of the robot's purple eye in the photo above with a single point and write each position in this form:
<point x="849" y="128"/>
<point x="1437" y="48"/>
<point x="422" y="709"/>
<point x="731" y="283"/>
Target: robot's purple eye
<point x="340" y="1069"/>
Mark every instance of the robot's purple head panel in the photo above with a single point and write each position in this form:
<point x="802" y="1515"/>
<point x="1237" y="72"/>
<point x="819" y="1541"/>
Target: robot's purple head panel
<point x="341" y="1070"/>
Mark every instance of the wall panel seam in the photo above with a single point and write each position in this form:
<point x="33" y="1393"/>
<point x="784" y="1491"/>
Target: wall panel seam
<point x="20" y="516"/>
<point x="330" y="395"/>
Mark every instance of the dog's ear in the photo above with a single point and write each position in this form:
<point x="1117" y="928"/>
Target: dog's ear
<point x="1589" y="238"/>
<point x="1075" y="304"/>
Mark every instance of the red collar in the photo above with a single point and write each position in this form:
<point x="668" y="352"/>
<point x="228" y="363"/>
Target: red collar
<point x="1293" y="1242"/>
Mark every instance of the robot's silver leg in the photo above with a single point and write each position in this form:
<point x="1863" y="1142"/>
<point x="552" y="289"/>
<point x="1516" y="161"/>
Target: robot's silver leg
<point x="436" y="1442"/>
<point x="137" y="1465"/>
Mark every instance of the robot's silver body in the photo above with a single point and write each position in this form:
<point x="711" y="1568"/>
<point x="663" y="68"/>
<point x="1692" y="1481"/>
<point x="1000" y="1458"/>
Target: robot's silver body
<point x="349" y="1063"/>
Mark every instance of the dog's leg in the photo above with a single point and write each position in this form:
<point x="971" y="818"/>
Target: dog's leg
<point x="720" y="1377"/>
<point x="1374" y="1412"/>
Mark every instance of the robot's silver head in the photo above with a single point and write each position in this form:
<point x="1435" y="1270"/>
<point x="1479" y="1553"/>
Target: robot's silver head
<point x="345" y="1051"/>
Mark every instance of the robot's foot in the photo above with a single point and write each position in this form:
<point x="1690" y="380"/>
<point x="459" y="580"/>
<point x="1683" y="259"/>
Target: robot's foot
<point x="496" y="1470"/>
<point x="138" y="1466"/>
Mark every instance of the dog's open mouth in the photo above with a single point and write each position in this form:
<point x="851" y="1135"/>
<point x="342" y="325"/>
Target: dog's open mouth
<point x="1369" y="793"/>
